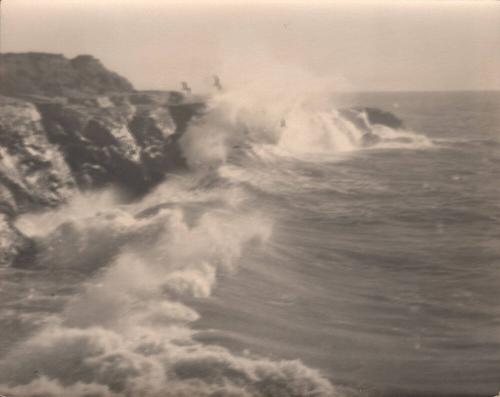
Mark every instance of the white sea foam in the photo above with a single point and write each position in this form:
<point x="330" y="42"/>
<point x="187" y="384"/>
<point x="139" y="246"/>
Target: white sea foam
<point x="79" y="207"/>
<point x="128" y="332"/>
<point x="294" y="119"/>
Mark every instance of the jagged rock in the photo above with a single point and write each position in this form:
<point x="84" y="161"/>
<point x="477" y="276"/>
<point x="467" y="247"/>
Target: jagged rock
<point x="51" y="147"/>
<point x="120" y="143"/>
<point x="183" y="113"/>
<point x="365" y="118"/>
<point x="33" y="172"/>
<point x="381" y="117"/>
<point x="158" y="97"/>
<point x="48" y="146"/>
<point x="13" y="244"/>
<point x="74" y="124"/>
<point x="153" y="130"/>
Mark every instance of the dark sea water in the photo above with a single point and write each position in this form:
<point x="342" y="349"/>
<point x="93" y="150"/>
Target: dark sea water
<point x="287" y="262"/>
<point x="384" y="267"/>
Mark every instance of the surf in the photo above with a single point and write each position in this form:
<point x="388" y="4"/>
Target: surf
<point x="137" y="268"/>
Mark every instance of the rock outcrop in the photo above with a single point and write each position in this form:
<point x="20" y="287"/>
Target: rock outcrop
<point x="36" y="73"/>
<point x="107" y="142"/>
<point x="13" y="245"/>
<point x="69" y="125"/>
<point x="49" y="147"/>
<point x="33" y="172"/>
<point x="365" y="118"/>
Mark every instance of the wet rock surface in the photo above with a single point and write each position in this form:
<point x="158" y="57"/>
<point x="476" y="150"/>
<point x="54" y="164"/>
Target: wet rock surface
<point x="71" y="125"/>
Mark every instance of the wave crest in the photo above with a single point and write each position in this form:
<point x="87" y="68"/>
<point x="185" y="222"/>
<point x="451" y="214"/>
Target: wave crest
<point x="292" y="125"/>
<point x="127" y="333"/>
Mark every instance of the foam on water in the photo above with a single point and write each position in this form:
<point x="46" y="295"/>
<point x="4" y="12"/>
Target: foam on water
<point x="128" y="330"/>
<point x="284" y="123"/>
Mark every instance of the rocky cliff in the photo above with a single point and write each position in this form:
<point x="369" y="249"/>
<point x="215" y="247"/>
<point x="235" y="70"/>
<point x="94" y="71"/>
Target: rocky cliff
<point x="68" y="125"/>
<point x="54" y="75"/>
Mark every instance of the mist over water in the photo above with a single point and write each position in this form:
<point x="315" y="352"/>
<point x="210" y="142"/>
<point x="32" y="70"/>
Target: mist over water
<point x="290" y="260"/>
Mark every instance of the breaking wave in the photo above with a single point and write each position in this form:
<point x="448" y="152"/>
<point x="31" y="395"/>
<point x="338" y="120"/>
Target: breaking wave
<point x="297" y="126"/>
<point x="127" y="330"/>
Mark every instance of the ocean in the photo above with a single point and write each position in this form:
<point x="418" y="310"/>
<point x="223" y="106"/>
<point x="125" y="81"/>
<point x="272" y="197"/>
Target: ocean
<point x="288" y="260"/>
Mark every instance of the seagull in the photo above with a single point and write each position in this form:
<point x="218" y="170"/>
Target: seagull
<point x="217" y="83"/>
<point x="186" y="88"/>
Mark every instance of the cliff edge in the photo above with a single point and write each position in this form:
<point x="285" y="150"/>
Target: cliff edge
<point x="35" y="73"/>
<point x="68" y="125"/>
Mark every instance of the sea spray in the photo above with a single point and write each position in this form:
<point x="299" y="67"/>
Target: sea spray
<point x="298" y="120"/>
<point x="127" y="332"/>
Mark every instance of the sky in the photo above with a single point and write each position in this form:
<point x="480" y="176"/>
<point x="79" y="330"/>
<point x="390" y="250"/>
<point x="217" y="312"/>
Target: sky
<point x="357" y="45"/>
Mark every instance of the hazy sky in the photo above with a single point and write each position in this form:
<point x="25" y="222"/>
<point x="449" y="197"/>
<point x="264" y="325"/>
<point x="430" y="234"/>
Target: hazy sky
<point x="405" y="45"/>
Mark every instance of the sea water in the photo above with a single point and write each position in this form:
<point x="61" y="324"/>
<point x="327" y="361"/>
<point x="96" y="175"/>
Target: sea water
<point x="288" y="260"/>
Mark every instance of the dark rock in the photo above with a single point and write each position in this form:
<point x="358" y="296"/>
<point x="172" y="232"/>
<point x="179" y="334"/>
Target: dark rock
<point x="381" y="117"/>
<point x="183" y="113"/>
<point x="159" y="97"/>
<point x="370" y="139"/>
<point x="75" y="125"/>
<point x="14" y="246"/>
<point x="365" y="117"/>
<point x="33" y="172"/>
<point x="54" y="75"/>
<point x="123" y="144"/>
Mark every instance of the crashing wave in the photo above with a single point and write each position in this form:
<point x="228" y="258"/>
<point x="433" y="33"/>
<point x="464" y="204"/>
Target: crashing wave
<point x="127" y="333"/>
<point x="233" y="123"/>
<point x="135" y="269"/>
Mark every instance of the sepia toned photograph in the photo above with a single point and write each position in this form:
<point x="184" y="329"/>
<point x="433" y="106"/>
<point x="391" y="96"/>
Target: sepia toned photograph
<point x="237" y="198"/>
